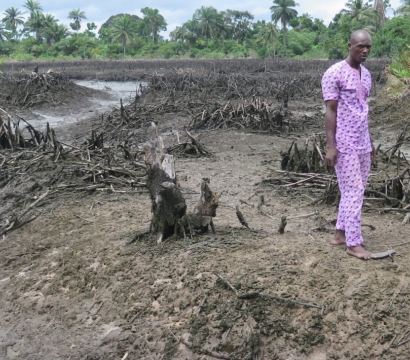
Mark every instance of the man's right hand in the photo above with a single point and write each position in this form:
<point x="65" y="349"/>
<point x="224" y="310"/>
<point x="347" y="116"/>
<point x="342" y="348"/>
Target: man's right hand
<point x="331" y="157"/>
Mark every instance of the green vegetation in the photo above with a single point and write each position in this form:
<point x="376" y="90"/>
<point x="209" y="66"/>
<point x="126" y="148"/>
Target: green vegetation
<point x="398" y="73"/>
<point x="76" y="15"/>
<point x="208" y="34"/>
<point x="282" y="10"/>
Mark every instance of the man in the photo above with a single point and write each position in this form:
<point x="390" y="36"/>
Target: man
<point x="345" y="86"/>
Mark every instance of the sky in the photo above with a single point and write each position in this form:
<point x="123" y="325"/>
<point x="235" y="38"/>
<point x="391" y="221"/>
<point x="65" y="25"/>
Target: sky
<point x="175" y="12"/>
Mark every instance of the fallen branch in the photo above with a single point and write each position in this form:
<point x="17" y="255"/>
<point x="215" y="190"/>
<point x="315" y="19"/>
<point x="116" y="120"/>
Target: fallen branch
<point x="301" y="216"/>
<point x="290" y="301"/>
<point x="18" y="220"/>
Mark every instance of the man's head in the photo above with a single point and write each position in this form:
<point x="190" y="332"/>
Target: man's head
<point x="359" y="46"/>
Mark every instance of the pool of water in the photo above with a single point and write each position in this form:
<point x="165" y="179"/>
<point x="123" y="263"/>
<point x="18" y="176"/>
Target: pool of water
<point x="115" y="90"/>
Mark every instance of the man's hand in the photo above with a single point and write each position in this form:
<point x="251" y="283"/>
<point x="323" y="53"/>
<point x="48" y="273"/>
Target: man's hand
<point x="331" y="157"/>
<point x="373" y="153"/>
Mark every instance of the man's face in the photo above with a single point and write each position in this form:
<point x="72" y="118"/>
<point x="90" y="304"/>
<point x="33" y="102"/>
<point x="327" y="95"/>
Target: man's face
<point x="360" y="48"/>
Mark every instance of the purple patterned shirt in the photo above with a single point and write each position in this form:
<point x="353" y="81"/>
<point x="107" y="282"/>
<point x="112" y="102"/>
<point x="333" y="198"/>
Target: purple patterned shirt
<point x="343" y="83"/>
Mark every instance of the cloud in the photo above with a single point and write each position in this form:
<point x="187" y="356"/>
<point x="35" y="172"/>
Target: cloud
<point x="260" y="11"/>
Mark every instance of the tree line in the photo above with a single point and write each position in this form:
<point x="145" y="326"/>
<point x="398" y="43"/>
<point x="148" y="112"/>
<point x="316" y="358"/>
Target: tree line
<point x="209" y="33"/>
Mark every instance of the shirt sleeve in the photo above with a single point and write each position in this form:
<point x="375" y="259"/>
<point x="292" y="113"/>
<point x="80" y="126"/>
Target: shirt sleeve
<point x="330" y="85"/>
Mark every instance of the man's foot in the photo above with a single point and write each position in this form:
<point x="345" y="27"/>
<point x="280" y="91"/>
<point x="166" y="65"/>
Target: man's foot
<point x="340" y="238"/>
<point x="359" y="252"/>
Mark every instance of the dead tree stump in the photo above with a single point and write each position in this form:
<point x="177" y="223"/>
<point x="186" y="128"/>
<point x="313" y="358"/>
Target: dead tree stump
<point x="208" y="202"/>
<point x="205" y="210"/>
<point x="168" y="204"/>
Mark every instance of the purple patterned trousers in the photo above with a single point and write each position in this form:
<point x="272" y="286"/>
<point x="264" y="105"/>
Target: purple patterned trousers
<point x="352" y="172"/>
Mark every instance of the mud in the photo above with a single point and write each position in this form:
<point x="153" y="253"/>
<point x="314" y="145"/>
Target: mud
<point x="78" y="283"/>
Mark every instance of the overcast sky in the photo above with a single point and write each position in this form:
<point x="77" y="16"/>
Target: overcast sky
<point x="175" y="12"/>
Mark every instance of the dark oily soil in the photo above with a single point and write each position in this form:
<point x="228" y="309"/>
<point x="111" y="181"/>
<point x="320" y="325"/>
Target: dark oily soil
<point x="137" y="69"/>
<point x="76" y="283"/>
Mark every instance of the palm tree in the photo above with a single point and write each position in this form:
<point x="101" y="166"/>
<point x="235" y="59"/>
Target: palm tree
<point x="13" y="18"/>
<point x="124" y="28"/>
<point x="154" y="21"/>
<point x="3" y="33"/>
<point x="77" y="15"/>
<point x="32" y="5"/>
<point x="191" y="31"/>
<point x="186" y="32"/>
<point x="35" y="23"/>
<point x="380" y="7"/>
<point x="359" y="10"/>
<point x="305" y="21"/>
<point x="55" y="32"/>
<point x="49" y="19"/>
<point x="282" y="11"/>
<point x="177" y="34"/>
<point x="209" y="21"/>
<point x="267" y="35"/>
<point x="48" y="22"/>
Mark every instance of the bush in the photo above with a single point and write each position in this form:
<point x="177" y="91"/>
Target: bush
<point x="394" y="36"/>
<point x="262" y="52"/>
<point x="6" y="48"/>
<point x="23" y="57"/>
<point x="300" y="42"/>
<point x="230" y="47"/>
<point x="193" y="53"/>
<point x="315" y="53"/>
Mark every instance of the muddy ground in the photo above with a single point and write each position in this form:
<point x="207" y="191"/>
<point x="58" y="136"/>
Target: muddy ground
<point x="78" y="282"/>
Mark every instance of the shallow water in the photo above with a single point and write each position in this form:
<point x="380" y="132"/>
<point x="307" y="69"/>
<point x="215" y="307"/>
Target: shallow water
<point x="115" y="90"/>
<point x="119" y="90"/>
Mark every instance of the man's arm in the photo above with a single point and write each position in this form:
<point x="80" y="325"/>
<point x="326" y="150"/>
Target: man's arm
<point x="373" y="153"/>
<point x="330" y="126"/>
